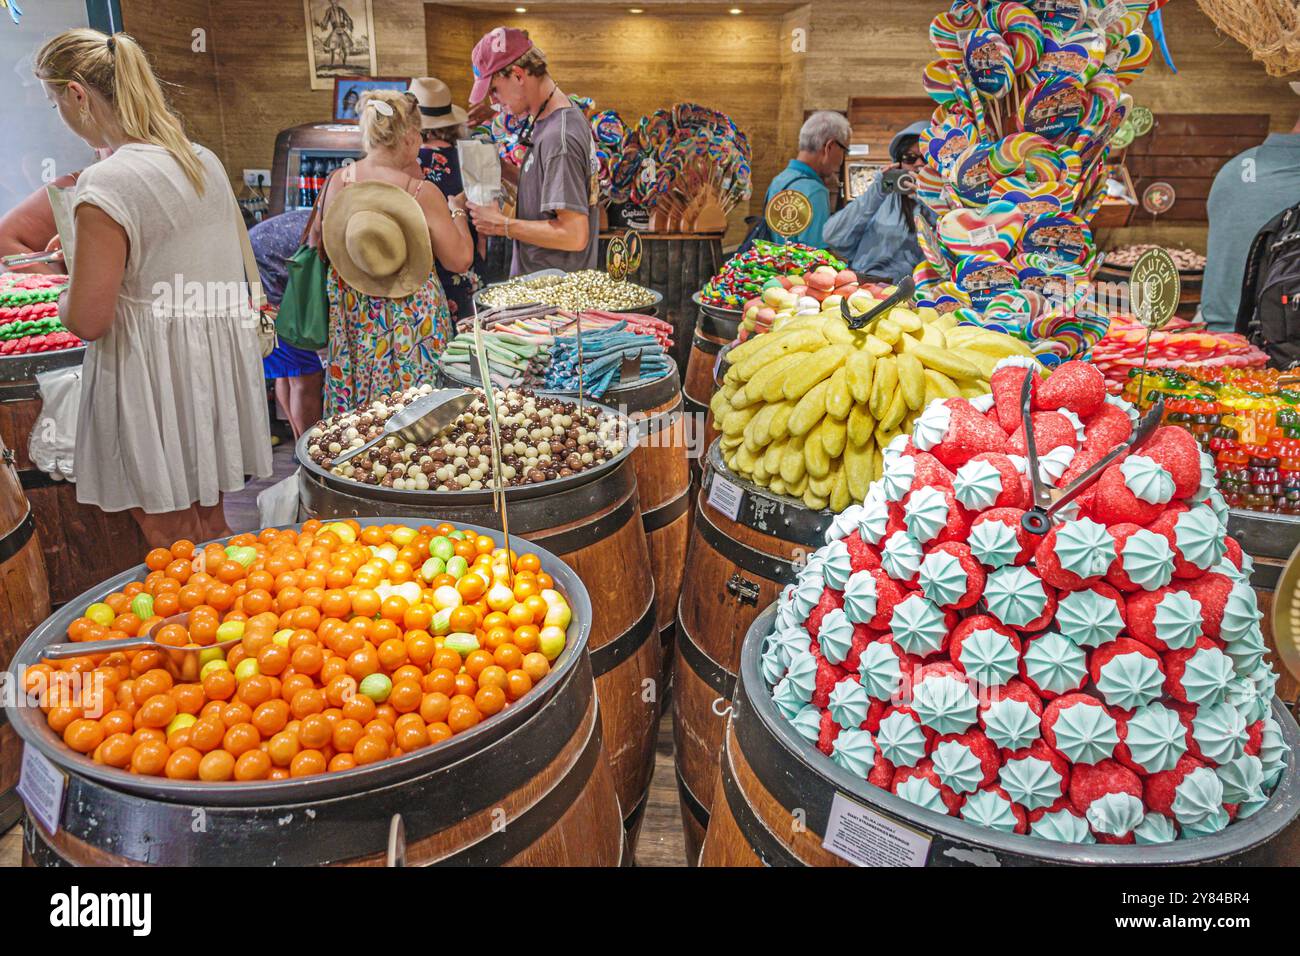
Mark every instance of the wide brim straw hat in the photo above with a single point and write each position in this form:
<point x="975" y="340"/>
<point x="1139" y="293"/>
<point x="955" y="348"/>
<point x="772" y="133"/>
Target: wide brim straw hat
<point x="376" y="236"/>
<point x="436" y="108"/>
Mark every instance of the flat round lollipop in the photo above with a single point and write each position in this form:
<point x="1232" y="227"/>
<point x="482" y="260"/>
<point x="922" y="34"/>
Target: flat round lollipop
<point x="972" y="175"/>
<point x="1022" y="30"/>
<point x="1028" y="154"/>
<point x="994" y="229"/>
<point x="1063" y="237"/>
<point x="1033" y="199"/>
<point x="989" y="61"/>
<point x="1078" y="54"/>
<point x="982" y="276"/>
<point x="1054" y="108"/>
<point x="937" y="81"/>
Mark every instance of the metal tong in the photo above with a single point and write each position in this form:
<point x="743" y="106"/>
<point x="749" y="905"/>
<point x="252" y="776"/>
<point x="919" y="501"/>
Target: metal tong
<point x="904" y="291"/>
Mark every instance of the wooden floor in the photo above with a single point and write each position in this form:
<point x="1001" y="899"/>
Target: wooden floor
<point x="660" y="843"/>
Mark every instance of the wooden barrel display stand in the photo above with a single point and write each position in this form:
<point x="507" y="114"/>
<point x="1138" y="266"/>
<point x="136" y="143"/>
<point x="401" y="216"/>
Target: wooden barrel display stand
<point x="675" y="265"/>
<point x="1189" y="298"/>
<point x="592" y="522"/>
<point x="739" y="562"/>
<point x="775" y="793"/>
<point x="530" y="786"/>
<point x="72" y="535"/>
<point x="715" y="328"/>
<point x="24" y="603"/>
<point x="711" y="431"/>
<point x="662" y="483"/>
<point x="1270" y="540"/>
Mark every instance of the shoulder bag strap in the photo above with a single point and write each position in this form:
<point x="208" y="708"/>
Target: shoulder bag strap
<point x="251" y="274"/>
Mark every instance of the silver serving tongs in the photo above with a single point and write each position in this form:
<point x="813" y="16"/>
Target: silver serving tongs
<point x="1038" y="518"/>
<point x="904" y="291"/>
<point x="419" y="421"/>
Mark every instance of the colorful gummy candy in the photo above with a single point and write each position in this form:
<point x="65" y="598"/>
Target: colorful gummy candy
<point x="742" y="277"/>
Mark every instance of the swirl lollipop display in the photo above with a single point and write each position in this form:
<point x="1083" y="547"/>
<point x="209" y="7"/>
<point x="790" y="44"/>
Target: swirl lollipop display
<point x="989" y="62"/>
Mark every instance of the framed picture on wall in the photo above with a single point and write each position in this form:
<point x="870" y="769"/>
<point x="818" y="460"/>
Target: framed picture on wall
<point x="859" y="175"/>
<point x="340" y="40"/>
<point x="348" y="90"/>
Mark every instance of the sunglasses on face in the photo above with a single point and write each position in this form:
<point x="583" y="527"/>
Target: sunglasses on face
<point x="911" y="158"/>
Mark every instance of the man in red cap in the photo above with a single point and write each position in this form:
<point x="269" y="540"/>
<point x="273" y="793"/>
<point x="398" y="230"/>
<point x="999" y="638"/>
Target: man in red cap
<point x="556" y="223"/>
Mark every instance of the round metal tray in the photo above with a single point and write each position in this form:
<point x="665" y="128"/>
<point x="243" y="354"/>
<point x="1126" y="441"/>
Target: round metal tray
<point x="16" y="368"/>
<point x="717" y="311"/>
<point x="431" y="499"/>
<point x="648" y="309"/>
<point x="30" y="724"/>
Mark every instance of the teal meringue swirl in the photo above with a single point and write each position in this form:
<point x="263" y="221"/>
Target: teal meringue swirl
<point x="897" y="476"/>
<point x="988" y="657"/>
<point x="1210" y="825"/>
<point x="1085" y="733"/>
<point x="945" y="704"/>
<point x="925" y="514"/>
<point x="988" y="808"/>
<point x="844" y="523"/>
<point x="1156" y="738"/>
<point x="848" y="703"/>
<point x="943" y="580"/>
<point x="1054" y="663"/>
<point x="932" y="426"/>
<point x="1241" y="612"/>
<point x="1178" y="620"/>
<point x="922" y="793"/>
<point x="1248" y="652"/>
<point x="860" y="597"/>
<point x="977" y="485"/>
<point x="880" y="670"/>
<point x="901" y="557"/>
<point x="1206" y="675"/>
<point x="1115" y="814"/>
<point x="1149" y="480"/>
<point x="808" y="723"/>
<point x="1015" y="595"/>
<point x="773" y="665"/>
<point x="1031" y="782"/>
<point x="958" y="768"/>
<point x="1199" y="536"/>
<point x="994" y="544"/>
<point x="1148" y="560"/>
<point x="1011" y="724"/>
<point x="1219" y="731"/>
<point x="1089" y="618"/>
<point x="1084" y="547"/>
<point x="855" y="751"/>
<point x="835" y="636"/>
<point x="806" y="595"/>
<point x="918" y="626"/>
<point x="1198" y="797"/>
<point x="787" y="698"/>
<point x="836" y="564"/>
<point x="901" y="740"/>
<point x="1273" y="747"/>
<point x="1130" y="680"/>
<point x="1242" y="779"/>
<point x="1063" y="827"/>
<point x="874" y="521"/>
<point x="1155" y="828"/>
<point x="802" y="674"/>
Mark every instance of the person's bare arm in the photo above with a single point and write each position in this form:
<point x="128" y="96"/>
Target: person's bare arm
<point x="29" y="227"/>
<point x="89" y="304"/>
<point x="568" y="231"/>
<point x="453" y="246"/>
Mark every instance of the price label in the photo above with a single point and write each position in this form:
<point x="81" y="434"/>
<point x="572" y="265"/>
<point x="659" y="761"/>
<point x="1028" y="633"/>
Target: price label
<point x="42" y="787"/>
<point x="725" y="498"/>
<point x="866" y="838"/>
<point x="983" y="235"/>
<point x="1111" y="13"/>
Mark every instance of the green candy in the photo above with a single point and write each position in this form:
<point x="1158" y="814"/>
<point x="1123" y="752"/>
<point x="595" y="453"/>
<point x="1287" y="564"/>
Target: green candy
<point x="377" y="687"/>
<point x="442" y="548"/>
<point x="457" y="567"/>
<point x="461" y="643"/>
<point x="142" y="606"/>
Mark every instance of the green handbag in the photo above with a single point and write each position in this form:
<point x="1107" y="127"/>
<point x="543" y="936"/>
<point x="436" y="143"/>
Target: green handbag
<point x="304" y="317"/>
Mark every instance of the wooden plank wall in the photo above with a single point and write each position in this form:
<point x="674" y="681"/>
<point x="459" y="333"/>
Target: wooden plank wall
<point x="253" y="81"/>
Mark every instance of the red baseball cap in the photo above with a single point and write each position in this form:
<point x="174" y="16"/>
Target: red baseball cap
<point x="496" y="51"/>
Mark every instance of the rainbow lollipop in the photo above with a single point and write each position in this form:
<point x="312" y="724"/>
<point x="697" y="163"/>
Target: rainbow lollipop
<point x="982" y="276"/>
<point x="989" y="62"/>
<point x="1136" y="54"/>
<point x="1059" y="17"/>
<point x="1078" y="54"/>
<point x="1033" y="199"/>
<point x="943" y="37"/>
<point x="938" y="82"/>
<point x="994" y="229"/>
<point x="1054" y="108"/>
<point x="1030" y="154"/>
<point x="971" y="175"/>
<point x="946" y="143"/>
<point x="1021" y="29"/>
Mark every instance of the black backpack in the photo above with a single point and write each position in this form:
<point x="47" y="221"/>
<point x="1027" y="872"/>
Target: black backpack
<point x="1269" y="313"/>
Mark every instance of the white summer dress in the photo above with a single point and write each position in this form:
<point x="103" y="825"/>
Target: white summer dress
<point x="173" y="402"/>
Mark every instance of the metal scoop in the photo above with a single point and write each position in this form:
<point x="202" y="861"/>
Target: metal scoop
<point x="901" y="294"/>
<point x="419" y="421"/>
<point x="181" y="662"/>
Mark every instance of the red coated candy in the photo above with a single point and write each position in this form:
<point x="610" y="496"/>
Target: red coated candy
<point x="1078" y="386"/>
<point x="925" y="769"/>
<point x="1158" y="789"/>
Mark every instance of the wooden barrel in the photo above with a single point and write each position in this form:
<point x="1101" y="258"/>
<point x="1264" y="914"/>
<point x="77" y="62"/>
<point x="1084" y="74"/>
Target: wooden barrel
<point x="715" y="328"/>
<point x="675" y="265"/>
<point x="1271" y="540"/>
<point x="592" y="521"/>
<point x="529" y="786"/>
<point x="24" y="603"/>
<point x="662" y="481"/>
<point x="72" y="535"/>
<point x="711" y="431"/>
<point x="739" y="559"/>
<point x="775" y="794"/>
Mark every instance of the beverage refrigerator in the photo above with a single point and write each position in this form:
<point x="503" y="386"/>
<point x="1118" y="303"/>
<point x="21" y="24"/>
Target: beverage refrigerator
<point x="304" y="156"/>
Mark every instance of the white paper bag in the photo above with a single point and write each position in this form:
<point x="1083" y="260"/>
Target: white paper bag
<point x="480" y="171"/>
<point x="278" y="504"/>
<point x="54" y="435"/>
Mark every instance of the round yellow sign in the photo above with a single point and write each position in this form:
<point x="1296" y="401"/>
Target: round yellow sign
<point x="1154" y="288"/>
<point x="788" y="213"/>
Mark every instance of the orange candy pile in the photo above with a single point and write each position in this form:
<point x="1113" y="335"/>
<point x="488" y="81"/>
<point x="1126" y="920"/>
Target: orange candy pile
<point x="333" y="668"/>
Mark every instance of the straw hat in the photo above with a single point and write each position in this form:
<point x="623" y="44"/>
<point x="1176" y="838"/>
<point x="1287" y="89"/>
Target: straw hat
<point x="436" y="109"/>
<point x="376" y="236"/>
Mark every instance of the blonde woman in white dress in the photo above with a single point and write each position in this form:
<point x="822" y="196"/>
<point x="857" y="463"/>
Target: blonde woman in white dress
<point x="173" y="409"/>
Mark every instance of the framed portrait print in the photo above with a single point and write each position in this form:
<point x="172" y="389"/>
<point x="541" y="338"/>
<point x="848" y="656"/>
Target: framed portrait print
<point x="340" y="40"/>
<point x="348" y="90"/>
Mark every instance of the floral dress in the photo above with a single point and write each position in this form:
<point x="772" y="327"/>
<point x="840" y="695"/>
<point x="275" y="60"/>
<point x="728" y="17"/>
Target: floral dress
<point x="441" y="167"/>
<point x="378" y="346"/>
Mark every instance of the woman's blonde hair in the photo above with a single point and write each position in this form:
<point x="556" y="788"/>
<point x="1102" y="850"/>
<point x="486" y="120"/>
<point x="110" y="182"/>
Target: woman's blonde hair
<point x="117" y="69"/>
<point x="386" y="117"/>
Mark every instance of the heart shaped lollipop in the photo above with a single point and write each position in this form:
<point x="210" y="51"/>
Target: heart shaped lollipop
<point x="993" y="229"/>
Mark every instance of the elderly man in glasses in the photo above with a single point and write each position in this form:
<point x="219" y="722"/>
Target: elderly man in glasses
<point x="823" y="144"/>
<point x="876" y="232"/>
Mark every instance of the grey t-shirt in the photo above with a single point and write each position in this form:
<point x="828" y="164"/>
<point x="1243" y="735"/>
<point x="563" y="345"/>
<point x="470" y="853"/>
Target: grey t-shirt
<point x="559" y="172"/>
